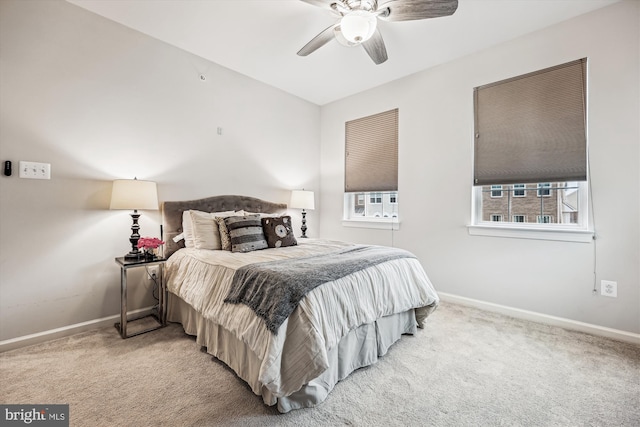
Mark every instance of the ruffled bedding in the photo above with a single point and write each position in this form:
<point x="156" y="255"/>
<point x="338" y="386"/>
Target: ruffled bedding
<point x="299" y="351"/>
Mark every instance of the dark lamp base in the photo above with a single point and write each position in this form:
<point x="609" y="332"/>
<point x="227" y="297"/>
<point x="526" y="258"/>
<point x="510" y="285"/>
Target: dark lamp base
<point x="304" y="224"/>
<point x="134" y="255"/>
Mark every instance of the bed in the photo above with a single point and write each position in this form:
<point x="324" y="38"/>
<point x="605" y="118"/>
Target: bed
<point x="292" y="352"/>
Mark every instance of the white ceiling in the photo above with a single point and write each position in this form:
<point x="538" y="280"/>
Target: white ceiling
<point x="260" y="38"/>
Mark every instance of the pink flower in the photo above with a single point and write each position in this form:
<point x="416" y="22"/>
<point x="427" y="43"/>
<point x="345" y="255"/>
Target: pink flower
<point x="149" y="242"/>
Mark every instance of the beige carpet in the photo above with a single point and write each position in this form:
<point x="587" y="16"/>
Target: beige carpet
<point x="467" y="368"/>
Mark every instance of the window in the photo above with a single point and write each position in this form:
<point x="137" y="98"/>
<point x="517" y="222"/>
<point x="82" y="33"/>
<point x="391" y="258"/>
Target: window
<point x="371" y="168"/>
<point x="544" y="219"/>
<point x="552" y="203"/>
<point x="530" y="134"/>
<point x="496" y="218"/>
<point x="375" y="205"/>
<point x="544" y="189"/>
<point x="519" y="190"/>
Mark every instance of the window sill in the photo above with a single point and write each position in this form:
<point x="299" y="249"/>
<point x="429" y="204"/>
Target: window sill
<point x="379" y="224"/>
<point x="537" y="233"/>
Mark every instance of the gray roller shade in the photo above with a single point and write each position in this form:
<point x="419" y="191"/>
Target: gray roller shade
<point x="371" y="153"/>
<point x="532" y="128"/>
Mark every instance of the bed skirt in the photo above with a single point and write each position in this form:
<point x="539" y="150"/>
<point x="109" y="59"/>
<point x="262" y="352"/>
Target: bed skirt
<point x="360" y="347"/>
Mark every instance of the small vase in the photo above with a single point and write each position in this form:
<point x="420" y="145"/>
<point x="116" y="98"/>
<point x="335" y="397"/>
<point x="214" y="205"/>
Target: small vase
<point x="149" y="255"/>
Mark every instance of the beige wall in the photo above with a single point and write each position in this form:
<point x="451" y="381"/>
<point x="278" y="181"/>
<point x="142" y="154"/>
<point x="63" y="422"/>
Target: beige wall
<point x="435" y="162"/>
<point x="101" y="102"/>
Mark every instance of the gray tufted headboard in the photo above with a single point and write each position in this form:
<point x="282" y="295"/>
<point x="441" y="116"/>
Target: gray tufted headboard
<point x="172" y="213"/>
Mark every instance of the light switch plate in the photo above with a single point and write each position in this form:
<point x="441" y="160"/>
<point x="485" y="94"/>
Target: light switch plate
<point x="35" y="170"/>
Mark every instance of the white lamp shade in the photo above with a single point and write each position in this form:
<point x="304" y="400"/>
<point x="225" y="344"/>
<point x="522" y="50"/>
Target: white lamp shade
<point x="301" y="199"/>
<point x="134" y="194"/>
<point x="358" y="26"/>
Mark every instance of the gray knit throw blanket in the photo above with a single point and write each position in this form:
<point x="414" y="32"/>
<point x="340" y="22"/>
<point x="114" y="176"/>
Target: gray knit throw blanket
<point x="274" y="289"/>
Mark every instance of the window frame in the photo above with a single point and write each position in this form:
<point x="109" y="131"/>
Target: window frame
<point x="490" y="170"/>
<point x="379" y="131"/>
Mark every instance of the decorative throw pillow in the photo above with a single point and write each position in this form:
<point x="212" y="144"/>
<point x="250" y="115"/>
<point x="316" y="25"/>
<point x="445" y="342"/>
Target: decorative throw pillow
<point x="225" y="239"/>
<point x="278" y="231"/>
<point x="246" y="233"/>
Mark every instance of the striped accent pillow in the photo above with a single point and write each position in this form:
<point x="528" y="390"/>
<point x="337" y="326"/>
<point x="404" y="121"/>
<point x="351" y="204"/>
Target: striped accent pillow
<point x="246" y="233"/>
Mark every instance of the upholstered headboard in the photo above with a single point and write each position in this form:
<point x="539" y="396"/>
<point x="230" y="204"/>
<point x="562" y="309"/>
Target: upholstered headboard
<point x="172" y="213"/>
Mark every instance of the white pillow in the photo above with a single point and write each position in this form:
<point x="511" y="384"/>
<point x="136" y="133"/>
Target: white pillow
<point x="187" y="229"/>
<point x="201" y="230"/>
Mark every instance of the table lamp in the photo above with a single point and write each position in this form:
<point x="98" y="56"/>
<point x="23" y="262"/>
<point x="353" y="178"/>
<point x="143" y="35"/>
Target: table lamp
<point x="134" y="194"/>
<point x="301" y="199"/>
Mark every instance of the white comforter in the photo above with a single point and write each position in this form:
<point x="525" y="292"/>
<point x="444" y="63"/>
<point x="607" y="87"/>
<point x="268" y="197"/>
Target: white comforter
<point x="298" y="353"/>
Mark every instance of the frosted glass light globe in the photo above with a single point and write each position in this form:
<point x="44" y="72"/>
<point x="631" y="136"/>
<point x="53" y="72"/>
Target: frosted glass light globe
<point x="358" y="26"/>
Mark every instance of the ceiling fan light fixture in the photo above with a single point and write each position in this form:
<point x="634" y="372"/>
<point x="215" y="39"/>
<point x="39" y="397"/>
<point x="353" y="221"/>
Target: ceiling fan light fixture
<point x="358" y="26"/>
<point x="358" y="19"/>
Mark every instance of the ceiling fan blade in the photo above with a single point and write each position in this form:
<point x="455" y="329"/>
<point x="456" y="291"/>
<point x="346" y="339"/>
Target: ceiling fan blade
<point x="375" y="48"/>
<point x="318" y="41"/>
<point x="410" y="10"/>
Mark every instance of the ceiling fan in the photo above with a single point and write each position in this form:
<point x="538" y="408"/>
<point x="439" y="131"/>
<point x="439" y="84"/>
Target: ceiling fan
<point x="357" y="21"/>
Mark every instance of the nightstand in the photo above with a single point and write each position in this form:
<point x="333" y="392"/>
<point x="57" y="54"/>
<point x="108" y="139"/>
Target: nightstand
<point x="160" y="316"/>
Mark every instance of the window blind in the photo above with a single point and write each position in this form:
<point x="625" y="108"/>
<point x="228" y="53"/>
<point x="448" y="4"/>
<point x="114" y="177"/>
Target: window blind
<point x="371" y="153"/>
<point x="532" y="128"/>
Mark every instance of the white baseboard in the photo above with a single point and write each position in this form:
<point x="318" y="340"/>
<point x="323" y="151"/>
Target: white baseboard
<point x="616" y="334"/>
<point x="544" y="318"/>
<point x="65" y="331"/>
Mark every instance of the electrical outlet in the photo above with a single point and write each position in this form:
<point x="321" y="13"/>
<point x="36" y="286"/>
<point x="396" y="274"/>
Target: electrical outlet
<point x="35" y="170"/>
<point x="153" y="272"/>
<point x="609" y="288"/>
